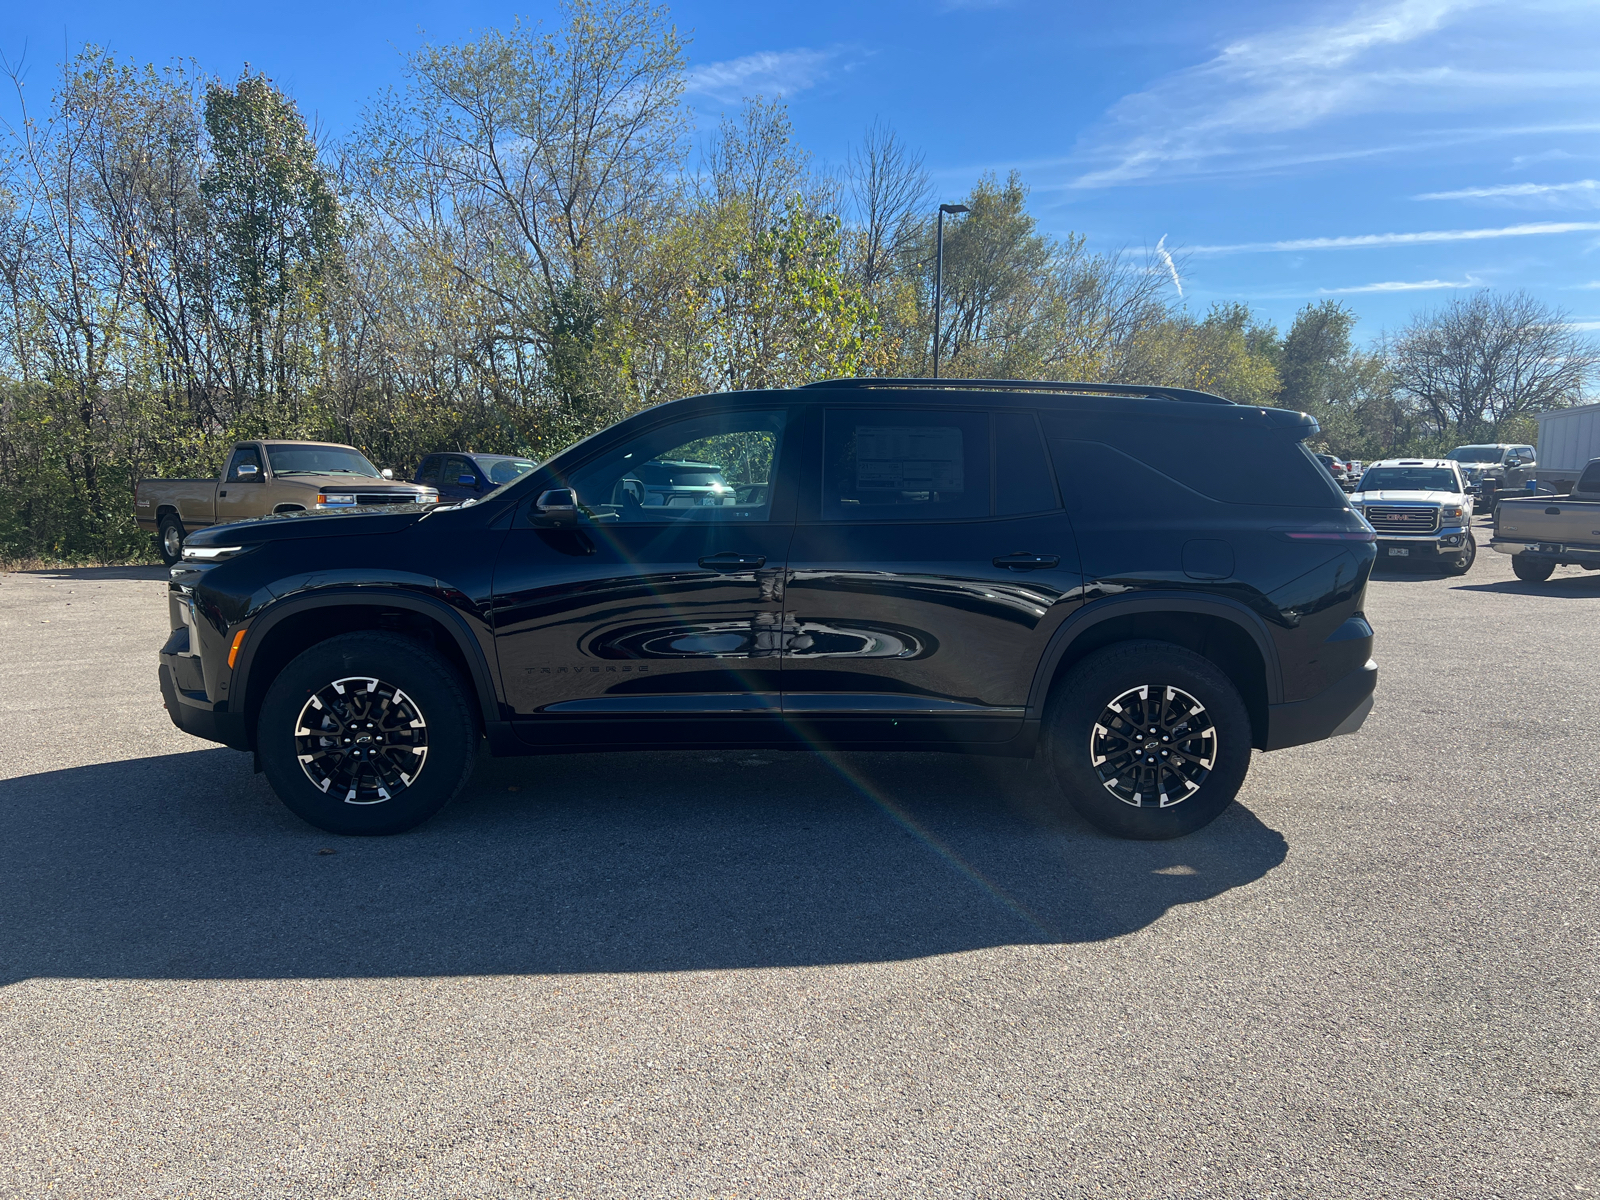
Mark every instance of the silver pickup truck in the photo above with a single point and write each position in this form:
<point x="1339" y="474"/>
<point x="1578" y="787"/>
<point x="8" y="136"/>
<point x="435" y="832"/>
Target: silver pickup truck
<point x="1542" y="533"/>
<point x="263" y="478"/>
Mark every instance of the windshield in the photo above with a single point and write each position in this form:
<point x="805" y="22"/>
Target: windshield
<point x="1476" y="454"/>
<point x="504" y="470"/>
<point x="1409" y="479"/>
<point x="320" y="460"/>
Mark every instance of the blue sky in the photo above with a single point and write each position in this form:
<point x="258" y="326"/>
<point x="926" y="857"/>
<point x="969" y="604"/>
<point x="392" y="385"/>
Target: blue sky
<point x="1388" y="154"/>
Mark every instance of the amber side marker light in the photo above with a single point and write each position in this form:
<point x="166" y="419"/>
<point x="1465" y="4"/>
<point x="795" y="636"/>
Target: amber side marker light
<point x="233" y="650"/>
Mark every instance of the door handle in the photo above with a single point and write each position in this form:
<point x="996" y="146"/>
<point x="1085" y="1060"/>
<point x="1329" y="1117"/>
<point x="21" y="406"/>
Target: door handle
<point x="222" y="493"/>
<point x="1552" y="512"/>
<point x="733" y="562"/>
<point x="1028" y="562"/>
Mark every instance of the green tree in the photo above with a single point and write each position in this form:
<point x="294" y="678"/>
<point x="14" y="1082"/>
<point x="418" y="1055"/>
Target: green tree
<point x="277" y="227"/>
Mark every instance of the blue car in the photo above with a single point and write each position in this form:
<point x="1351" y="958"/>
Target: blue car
<point x="465" y="476"/>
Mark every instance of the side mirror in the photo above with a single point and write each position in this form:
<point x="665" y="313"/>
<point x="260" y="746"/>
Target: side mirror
<point x="249" y="472"/>
<point x="1513" y="462"/>
<point x="386" y="473"/>
<point x="467" y="480"/>
<point x="558" y="506"/>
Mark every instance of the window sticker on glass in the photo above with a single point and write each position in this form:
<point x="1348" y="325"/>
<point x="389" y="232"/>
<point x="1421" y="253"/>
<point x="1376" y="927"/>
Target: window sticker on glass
<point x="908" y="458"/>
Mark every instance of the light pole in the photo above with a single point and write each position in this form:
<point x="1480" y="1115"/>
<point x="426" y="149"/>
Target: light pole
<point x="938" y="281"/>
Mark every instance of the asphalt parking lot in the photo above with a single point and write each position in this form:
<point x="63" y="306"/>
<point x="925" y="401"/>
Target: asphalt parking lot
<point x="783" y="974"/>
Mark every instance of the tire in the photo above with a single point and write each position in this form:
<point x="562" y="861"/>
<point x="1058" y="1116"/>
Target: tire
<point x="331" y="687"/>
<point x="169" y="539"/>
<point x="1462" y="563"/>
<point x="1532" y="570"/>
<point x="1188" y="691"/>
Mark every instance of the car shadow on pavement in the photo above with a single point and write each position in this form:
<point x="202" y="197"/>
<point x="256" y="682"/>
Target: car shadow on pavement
<point x="94" y="574"/>
<point x="1569" y="586"/>
<point x="186" y="866"/>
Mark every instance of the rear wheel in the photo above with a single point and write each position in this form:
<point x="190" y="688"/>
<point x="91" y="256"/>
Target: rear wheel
<point x="169" y="539"/>
<point x="1147" y="740"/>
<point x="1532" y="570"/>
<point x="367" y="733"/>
<point x="1462" y="563"/>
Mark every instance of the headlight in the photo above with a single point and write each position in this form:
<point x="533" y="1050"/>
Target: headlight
<point x="1451" y="513"/>
<point x="428" y="496"/>
<point x="210" y="553"/>
<point x="334" y="499"/>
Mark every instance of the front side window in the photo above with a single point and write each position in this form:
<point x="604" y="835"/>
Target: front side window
<point x="320" y="460"/>
<point x="905" y="465"/>
<point x="246" y="456"/>
<point x="706" y="469"/>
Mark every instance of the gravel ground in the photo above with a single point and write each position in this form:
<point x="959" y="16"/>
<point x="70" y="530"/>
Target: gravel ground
<point x="785" y="974"/>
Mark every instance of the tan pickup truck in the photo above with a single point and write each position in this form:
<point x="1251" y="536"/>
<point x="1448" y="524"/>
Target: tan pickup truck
<point x="1542" y="533"/>
<point x="263" y="478"/>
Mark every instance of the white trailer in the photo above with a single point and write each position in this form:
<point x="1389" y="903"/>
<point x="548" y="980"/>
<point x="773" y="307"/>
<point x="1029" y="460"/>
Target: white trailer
<point x="1568" y="439"/>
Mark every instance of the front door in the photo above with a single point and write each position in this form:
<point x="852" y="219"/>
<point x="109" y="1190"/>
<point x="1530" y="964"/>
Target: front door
<point x="665" y="599"/>
<point x="242" y="496"/>
<point x="927" y="577"/>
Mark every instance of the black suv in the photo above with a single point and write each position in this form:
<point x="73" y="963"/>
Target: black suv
<point x="980" y="566"/>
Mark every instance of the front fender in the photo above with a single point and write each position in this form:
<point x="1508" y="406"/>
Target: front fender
<point x="417" y="594"/>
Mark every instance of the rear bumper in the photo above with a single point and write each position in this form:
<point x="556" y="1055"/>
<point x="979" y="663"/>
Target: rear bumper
<point x="1338" y="710"/>
<point x="1563" y="553"/>
<point x="194" y="714"/>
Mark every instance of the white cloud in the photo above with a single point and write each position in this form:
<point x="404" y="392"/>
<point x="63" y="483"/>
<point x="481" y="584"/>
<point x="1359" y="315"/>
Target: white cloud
<point x="1271" y="83"/>
<point x="1582" y="194"/>
<point x="1366" y="240"/>
<point x="1587" y="189"/>
<point x="1166" y="261"/>
<point x="1522" y="160"/>
<point x="1420" y="285"/>
<point x="767" y="73"/>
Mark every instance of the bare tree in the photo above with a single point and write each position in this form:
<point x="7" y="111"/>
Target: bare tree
<point x="889" y="187"/>
<point x="1478" y="363"/>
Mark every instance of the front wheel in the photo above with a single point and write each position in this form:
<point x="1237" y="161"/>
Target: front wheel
<point x="367" y="733"/>
<point x="1462" y="563"/>
<point x="1147" y="740"/>
<point x="1532" y="570"/>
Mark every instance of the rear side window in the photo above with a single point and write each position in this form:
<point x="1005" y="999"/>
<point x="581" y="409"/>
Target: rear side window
<point x="429" y="471"/>
<point x="1023" y="482"/>
<point x="1589" y="481"/>
<point x="905" y="465"/>
<point x="1236" y="466"/>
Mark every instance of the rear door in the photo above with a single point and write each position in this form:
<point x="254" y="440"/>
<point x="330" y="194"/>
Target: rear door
<point x="652" y="612"/>
<point x="929" y="568"/>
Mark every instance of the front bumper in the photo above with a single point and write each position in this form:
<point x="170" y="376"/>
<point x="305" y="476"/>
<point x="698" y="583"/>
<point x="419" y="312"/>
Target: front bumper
<point x="1444" y="543"/>
<point x="1333" y="712"/>
<point x="184" y="696"/>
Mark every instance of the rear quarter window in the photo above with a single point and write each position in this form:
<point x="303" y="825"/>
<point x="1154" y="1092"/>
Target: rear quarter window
<point x="1236" y="466"/>
<point x="1589" y="481"/>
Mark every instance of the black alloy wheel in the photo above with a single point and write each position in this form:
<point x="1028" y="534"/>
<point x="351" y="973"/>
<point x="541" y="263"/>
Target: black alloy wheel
<point x="1530" y="569"/>
<point x="367" y="733"/>
<point x="1462" y="563"/>
<point x="169" y="539"/>
<point x="1147" y="740"/>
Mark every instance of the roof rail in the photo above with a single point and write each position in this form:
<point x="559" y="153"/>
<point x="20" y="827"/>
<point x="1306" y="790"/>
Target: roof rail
<point x="1149" y="391"/>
